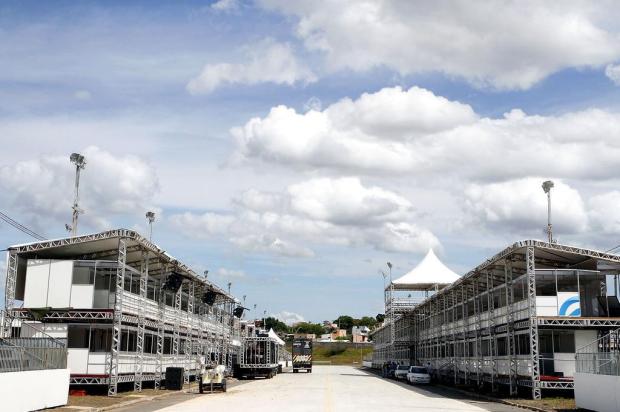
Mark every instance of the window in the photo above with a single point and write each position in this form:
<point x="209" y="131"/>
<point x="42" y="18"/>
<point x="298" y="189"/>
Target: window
<point x="523" y="344"/>
<point x="564" y="341"/>
<point x="83" y="275"/>
<point x="502" y="349"/>
<point x="100" y="340"/>
<point x="77" y="337"/>
<point x="567" y="281"/>
<point x="545" y="284"/>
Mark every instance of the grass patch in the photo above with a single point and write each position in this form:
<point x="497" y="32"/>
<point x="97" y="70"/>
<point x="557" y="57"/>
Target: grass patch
<point x="340" y="355"/>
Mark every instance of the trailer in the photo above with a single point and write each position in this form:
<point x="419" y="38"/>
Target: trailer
<point x="259" y="357"/>
<point x="302" y="355"/>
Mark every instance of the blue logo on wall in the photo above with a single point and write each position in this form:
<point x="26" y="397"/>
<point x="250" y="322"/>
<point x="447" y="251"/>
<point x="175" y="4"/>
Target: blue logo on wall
<point x="570" y="306"/>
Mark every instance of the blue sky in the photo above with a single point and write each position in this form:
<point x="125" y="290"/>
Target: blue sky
<point x="294" y="148"/>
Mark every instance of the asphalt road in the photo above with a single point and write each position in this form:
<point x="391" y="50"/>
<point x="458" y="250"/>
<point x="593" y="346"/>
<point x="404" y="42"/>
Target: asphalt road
<point x="328" y="388"/>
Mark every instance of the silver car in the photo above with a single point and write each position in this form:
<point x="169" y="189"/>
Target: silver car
<point x="418" y="375"/>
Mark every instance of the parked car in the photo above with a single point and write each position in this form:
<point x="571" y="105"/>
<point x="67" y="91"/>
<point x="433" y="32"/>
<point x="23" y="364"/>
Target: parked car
<point x="401" y="372"/>
<point x="418" y="374"/>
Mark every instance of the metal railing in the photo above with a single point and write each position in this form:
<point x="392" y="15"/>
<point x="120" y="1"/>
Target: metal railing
<point x="35" y="354"/>
<point x="41" y="351"/>
<point x="601" y="357"/>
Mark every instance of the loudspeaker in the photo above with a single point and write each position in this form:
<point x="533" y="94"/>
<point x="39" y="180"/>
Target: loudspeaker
<point x="173" y="282"/>
<point x="174" y="378"/>
<point x="209" y="297"/>
<point x="238" y="312"/>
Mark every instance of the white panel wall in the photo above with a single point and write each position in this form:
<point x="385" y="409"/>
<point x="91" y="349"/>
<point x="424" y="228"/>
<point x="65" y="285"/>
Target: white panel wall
<point x="77" y="360"/>
<point x="33" y="390"/>
<point x="37" y="275"/>
<point x="597" y="392"/>
<point x="59" y="291"/>
<point x="546" y="306"/>
<point x="82" y="296"/>
<point x="584" y="337"/>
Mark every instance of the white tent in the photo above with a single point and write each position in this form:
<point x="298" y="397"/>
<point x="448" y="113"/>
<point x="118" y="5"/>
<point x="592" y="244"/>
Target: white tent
<point x="275" y="336"/>
<point x="429" y="274"/>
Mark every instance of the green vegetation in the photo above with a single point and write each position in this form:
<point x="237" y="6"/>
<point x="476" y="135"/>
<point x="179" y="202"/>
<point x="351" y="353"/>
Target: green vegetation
<point x="340" y="354"/>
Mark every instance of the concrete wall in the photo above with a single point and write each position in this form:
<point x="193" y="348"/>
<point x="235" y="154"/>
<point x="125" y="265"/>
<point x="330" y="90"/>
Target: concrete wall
<point x="597" y="392"/>
<point x="32" y="390"/>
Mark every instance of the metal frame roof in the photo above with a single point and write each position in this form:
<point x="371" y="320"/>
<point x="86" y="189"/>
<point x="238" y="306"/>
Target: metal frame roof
<point x="98" y="246"/>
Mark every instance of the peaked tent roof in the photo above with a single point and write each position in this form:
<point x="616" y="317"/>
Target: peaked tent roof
<point x="429" y="273"/>
<point x="275" y="336"/>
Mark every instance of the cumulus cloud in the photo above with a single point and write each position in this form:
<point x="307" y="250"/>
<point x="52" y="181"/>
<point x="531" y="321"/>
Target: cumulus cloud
<point x="230" y="273"/>
<point x="505" y="45"/>
<point x="613" y="72"/>
<point x="416" y="133"/>
<point x="268" y="62"/>
<point x="110" y="185"/>
<point x="346" y="201"/>
<point x="520" y="206"/>
<point x="339" y="211"/>
<point x="225" y="5"/>
<point x="604" y="212"/>
<point x="272" y="244"/>
<point x="290" y="318"/>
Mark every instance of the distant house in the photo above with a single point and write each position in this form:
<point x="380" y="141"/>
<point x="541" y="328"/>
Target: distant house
<point x="311" y="336"/>
<point x="360" y="334"/>
<point x="339" y="333"/>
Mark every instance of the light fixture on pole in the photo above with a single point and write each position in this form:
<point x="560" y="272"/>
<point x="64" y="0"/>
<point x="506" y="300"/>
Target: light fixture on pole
<point x="205" y="273"/>
<point x="150" y="216"/>
<point x="547" y="186"/>
<point x="390" y="314"/>
<point x="229" y="285"/>
<point x="80" y="162"/>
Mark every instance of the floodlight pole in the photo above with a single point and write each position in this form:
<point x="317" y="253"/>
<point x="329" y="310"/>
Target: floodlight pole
<point x="546" y="186"/>
<point x="80" y="163"/>
<point x="150" y="216"/>
<point x="391" y="314"/>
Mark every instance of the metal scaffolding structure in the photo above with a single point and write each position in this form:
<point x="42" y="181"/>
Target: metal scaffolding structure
<point x="505" y="324"/>
<point x="134" y="327"/>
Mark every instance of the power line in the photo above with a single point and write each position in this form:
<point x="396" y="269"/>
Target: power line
<point x="613" y="248"/>
<point x="20" y="227"/>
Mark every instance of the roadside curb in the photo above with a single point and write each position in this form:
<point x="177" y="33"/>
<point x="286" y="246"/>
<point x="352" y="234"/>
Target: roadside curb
<point x="125" y="403"/>
<point x="493" y="399"/>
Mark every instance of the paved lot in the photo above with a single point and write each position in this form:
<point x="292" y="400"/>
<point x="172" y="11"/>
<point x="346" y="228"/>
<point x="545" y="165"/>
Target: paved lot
<point x="328" y="388"/>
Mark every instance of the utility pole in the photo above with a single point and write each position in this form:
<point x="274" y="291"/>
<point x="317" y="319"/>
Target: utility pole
<point x="80" y="162"/>
<point x="547" y="186"/>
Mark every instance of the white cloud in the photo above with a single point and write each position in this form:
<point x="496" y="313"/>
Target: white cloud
<point x="230" y="274"/>
<point x="272" y="244"/>
<point x="338" y="211"/>
<point x="394" y="131"/>
<point x="204" y="225"/>
<point x="109" y="185"/>
<point x="521" y="206"/>
<point x="404" y="237"/>
<point x="505" y="45"/>
<point x="82" y="95"/>
<point x="268" y="62"/>
<point x="290" y="318"/>
<point x="346" y="201"/>
<point x="225" y="5"/>
<point x="613" y="72"/>
<point x="605" y="213"/>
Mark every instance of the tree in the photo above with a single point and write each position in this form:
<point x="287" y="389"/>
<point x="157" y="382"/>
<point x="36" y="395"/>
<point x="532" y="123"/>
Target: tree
<point x="307" y="327"/>
<point x="367" y="321"/>
<point x="276" y="324"/>
<point x="344" y="322"/>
